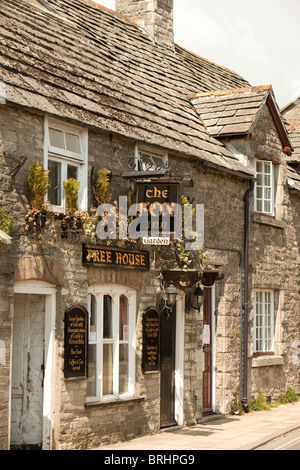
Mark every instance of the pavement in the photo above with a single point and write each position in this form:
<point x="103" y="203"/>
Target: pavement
<point x="246" y="432"/>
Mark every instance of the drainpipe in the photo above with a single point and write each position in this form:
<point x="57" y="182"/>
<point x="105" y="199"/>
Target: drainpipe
<point x="246" y="293"/>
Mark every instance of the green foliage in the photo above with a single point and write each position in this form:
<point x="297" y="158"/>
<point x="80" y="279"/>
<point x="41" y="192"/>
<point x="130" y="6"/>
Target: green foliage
<point x="237" y="407"/>
<point x="89" y="224"/>
<point x="71" y="188"/>
<point x="6" y="221"/>
<point x="289" y="396"/>
<point x="37" y="185"/>
<point x="101" y="185"/>
<point x="259" y="403"/>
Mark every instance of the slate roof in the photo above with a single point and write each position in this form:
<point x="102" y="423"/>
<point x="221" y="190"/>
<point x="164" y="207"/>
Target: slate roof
<point x="75" y="60"/>
<point x="232" y="111"/>
<point x="295" y="177"/>
<point x="291" y="112"/>
<point x="229" y="112"/>
<point x="294" y="134"/>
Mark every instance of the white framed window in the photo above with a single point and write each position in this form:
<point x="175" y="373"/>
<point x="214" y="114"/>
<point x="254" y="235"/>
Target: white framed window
<point x="264" y="320"/>
<point x="112" y="313"/>
<point x="65" y="156"/>
<point x="148" y="160"/>
<point x="264" y="187"/>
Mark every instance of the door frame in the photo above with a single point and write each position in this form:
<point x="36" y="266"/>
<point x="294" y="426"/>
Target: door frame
<point x="179" y="360"/>
<point x="213" y="345"/>
<point x="49" y="291"/>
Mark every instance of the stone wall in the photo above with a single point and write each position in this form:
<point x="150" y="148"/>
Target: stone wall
<point x="274" y="261"/>
<point x="6" y="297"/>
<point x="274" y="264"/>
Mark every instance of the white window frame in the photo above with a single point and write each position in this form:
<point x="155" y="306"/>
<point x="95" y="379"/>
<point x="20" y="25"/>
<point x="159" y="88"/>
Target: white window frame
<point x="263" y="199"/>
<point x="261" y="331"/>
<point x="144" y="149"/>
<point x="65" y="157"/>
<point x="115" y="292"/>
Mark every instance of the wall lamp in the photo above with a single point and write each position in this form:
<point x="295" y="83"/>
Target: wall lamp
<point x="171" y="293"/>
<point x="195" y="300"/>
<point x="169" y="299"/>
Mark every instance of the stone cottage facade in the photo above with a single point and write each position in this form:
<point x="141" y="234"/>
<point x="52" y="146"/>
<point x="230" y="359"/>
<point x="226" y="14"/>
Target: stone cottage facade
<point x="92" y="348"/>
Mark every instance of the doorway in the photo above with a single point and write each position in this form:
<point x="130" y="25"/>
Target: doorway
<point x="167" y="367"/>
<point x="28" y="355"/>
<point x="208" y="333"/>
<point x="32" y="366"/>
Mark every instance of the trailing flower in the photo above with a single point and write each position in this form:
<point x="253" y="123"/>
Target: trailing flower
<point x="89" y="224"/>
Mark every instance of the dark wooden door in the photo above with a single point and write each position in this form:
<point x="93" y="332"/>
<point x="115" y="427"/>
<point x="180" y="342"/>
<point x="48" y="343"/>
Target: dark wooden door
<point x="167" y="367"/>
<point x="207" y="350"/>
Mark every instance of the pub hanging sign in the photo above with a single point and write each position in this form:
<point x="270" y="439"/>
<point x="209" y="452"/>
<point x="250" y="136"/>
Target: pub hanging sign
<point x="160" y="201"/>
<point x="76" y="343"/>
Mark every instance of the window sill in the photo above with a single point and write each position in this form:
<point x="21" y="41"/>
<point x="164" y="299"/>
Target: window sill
<point x="264" y="219"/>
<point x="103" y="404"/>
<point x="266" y="361"/>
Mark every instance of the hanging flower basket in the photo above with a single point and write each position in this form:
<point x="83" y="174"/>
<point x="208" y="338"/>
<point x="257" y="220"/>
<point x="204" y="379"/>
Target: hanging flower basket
<point x="36" y="222"/>
<point x="71" y="225"/>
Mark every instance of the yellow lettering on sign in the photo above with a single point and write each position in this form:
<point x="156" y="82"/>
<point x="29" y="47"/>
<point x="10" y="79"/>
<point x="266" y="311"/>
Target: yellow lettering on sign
<point x="118" y="258"/>
<point x="156" y="193"/>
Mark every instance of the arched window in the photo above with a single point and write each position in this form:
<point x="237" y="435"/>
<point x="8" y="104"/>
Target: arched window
<point x="112" y="313"/>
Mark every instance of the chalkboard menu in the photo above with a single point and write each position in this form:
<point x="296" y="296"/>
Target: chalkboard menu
<point x="76" y="343"/>
<point x="151" y="338"/>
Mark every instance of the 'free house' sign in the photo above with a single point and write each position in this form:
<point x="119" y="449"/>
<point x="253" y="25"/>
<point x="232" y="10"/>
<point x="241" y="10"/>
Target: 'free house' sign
<point x="115" y="257"/>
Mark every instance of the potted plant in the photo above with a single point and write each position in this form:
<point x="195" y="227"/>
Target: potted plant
<point x="101" y="180"/>
<point x="71" y="188"/>
<point x="71" y="221"/>
<point x="37" y="186"/>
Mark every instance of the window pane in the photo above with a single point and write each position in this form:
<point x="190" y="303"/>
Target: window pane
<point x="268" y="193"/>
<point x="93" y="317"/>
<point x="123" y="319"/>
<point x="91" y="382"/>
<point x="267" y="208"/>
<point x="259" y="180"/>
<point x="56" y="138"/>
<point x="72" y="172"/>
<point x="259" y="206"/>
<point x="259" y="167"/>
<point x="107" y="369"/>
<point x="259" y="192"/>
<point x="123" y="368"/>
<point x="107" y="317"/>
<point x="73" y="142"/>
<point x="54" y="193"/>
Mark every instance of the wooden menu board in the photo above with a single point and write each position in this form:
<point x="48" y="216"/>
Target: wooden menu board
<point x="76" y="343"/>
<point x="151" y="339"/>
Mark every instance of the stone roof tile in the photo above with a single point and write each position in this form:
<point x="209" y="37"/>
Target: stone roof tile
<point x="294" y="134"/>
<point x="77" y="61"/>
<point x="232" y="111"/>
